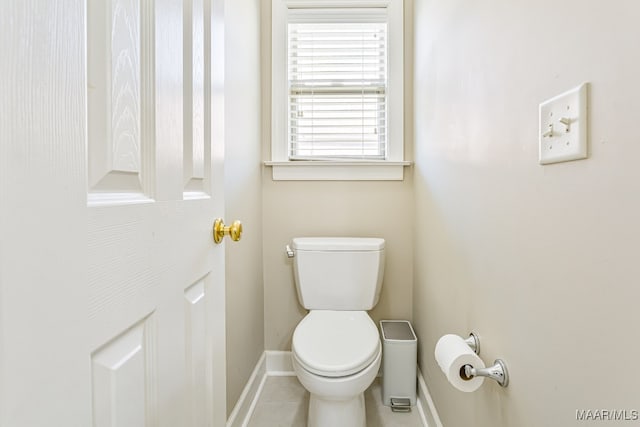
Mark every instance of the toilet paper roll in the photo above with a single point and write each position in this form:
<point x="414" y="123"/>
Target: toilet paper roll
<point x="452" y="354"/>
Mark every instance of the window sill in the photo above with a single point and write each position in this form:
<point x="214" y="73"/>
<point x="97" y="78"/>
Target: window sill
<point x="337" y="170"/>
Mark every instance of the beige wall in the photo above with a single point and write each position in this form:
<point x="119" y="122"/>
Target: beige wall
<point x="243" y="194"/>
<point x="542" y="261"/>
<point x="290" y="209"/>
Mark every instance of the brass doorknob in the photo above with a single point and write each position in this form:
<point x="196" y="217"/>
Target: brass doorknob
<point x="220" y="230"/>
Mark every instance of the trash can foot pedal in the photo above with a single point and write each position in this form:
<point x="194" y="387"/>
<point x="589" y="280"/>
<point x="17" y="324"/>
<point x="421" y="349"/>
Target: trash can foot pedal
<point x="400" y="404"/>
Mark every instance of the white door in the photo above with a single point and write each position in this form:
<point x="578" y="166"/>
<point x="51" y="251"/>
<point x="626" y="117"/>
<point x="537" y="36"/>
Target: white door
<point x="111" y="153"/>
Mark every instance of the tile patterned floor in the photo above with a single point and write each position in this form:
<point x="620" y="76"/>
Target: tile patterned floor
<point x="284" y="403"/>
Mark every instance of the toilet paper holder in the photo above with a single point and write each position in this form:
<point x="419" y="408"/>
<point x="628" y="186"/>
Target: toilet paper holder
<point x="496" y="372"/>
<point x="474" y="342"/>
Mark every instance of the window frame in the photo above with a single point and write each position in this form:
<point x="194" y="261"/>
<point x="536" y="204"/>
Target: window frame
<point x="391" y="168"/>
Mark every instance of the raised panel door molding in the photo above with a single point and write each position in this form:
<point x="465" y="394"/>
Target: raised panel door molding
<point x="123" y="388"/>
<point x="196" y="353"/>
<point x="120" y="92"/>
<point x="197" y="67"/>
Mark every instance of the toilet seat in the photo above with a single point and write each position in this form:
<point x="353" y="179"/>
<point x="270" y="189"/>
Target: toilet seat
<point x="335" y="343"/>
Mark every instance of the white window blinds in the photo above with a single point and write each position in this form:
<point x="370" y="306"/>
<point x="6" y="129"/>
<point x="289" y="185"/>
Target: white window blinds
<point x="337" y="76"/>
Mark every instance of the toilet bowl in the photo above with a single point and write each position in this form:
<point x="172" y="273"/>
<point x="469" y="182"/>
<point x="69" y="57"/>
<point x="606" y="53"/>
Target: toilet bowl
<point x="336" y="356"/>
<point x="336" y="348"/>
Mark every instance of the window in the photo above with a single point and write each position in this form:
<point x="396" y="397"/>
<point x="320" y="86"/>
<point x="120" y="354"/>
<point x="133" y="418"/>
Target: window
<point x="337" y="80"/>
<point x="337" y="101"/>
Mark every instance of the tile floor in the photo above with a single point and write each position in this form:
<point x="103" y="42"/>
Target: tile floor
<point x="284" y="403"/>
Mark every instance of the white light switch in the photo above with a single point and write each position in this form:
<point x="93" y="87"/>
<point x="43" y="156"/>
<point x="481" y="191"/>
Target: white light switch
<point x="563" y="127"/>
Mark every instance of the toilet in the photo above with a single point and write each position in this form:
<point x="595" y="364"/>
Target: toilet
<point x="336" y="348"/>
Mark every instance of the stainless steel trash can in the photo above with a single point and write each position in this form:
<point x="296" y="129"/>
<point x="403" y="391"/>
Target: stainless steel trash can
<point x="399" y="359"/>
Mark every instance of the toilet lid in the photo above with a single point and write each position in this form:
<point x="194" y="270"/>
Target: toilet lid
<point x="336" y="343"/>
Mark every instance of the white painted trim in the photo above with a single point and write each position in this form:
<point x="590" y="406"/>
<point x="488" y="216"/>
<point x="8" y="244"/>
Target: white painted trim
<point x="426" y="407"/>
<point x="423" y="418"/>
<point x="270" y="364"/>
<point x="345" y="171"/>
<point x="279" y="364"/>
<point x="301" y="4"/>
<point x="247" y="401"/>
<point x="337" y="170"/>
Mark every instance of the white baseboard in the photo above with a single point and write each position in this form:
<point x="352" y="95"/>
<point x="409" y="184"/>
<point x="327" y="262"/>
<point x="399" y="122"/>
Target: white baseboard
<point x="425" y="405"/>
<point x="249" y="398"/>
<point x="271" y="363"/>
<point x="278" y="363"/>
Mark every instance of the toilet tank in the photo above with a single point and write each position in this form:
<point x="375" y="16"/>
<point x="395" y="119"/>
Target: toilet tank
<point x="338" y="273"/>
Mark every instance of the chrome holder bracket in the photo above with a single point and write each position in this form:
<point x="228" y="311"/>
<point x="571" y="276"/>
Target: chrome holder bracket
<point x="474" y="342"/>
<point x="496" y="372"/>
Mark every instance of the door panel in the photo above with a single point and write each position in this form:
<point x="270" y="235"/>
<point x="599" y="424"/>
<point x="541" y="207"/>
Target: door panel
<point x="122" y="376"/>
<point x="111" y="288"/>
<point x="196" y="352"/>
<point x="120" y="99"/>
<point x="196" y="102"/>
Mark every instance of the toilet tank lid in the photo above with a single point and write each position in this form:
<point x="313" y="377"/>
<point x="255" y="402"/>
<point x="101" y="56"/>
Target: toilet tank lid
<point x="338" y="244"/>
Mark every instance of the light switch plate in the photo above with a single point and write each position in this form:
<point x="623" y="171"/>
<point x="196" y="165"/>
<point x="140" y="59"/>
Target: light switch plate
<point x="563" y="127"/>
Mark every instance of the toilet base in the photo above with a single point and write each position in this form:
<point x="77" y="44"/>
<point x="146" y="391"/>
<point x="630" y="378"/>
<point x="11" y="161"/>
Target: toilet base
<point x="332" y="413"/>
